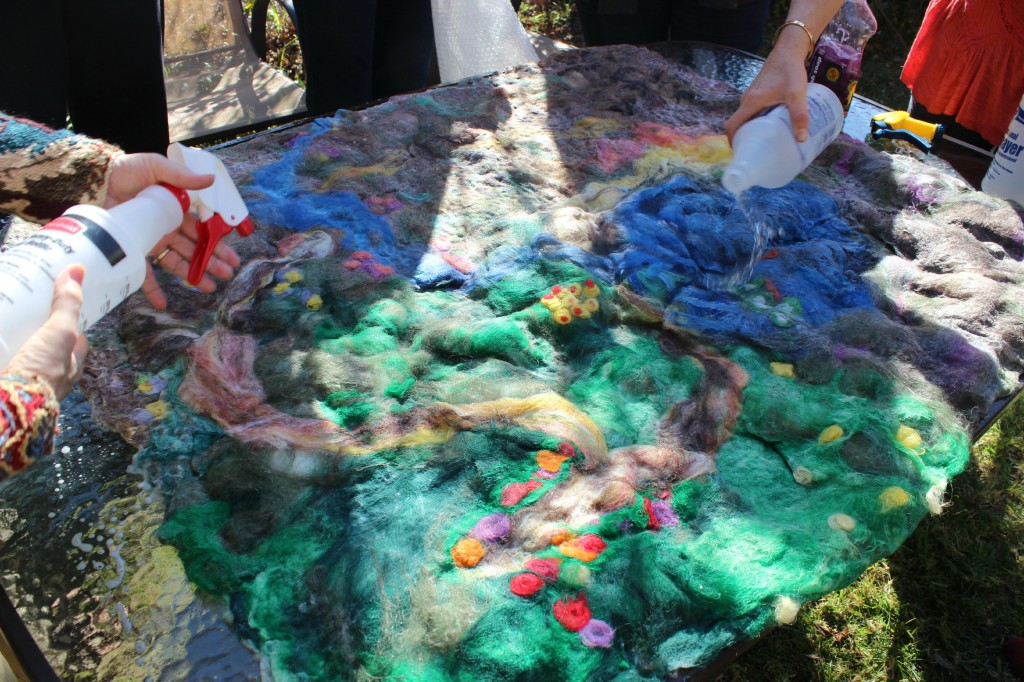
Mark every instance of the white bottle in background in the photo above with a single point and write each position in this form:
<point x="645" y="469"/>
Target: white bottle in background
<point x="1005" y="177"/>
<point x="764" y="151"/>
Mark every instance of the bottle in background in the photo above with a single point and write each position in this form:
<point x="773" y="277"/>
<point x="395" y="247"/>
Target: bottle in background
<point x="764" y="151"/>
<point x="1005" y="177"/>
<point x="836" y="60"/>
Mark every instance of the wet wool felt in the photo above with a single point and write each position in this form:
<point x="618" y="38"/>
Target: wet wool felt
<point x="509" y="388"/>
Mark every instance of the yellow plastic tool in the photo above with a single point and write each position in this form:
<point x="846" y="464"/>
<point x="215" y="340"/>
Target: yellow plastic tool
<point x="900" y="126"/>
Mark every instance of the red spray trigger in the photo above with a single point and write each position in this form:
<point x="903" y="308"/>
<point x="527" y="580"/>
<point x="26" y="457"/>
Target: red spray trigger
<point x="209" y="233"/>
<point x="219" y="207"/>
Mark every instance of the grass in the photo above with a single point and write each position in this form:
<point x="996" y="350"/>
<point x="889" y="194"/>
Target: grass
<point x="898" y="21"/>
<point x="940" y="608"/>
<point x="943" y="604"/>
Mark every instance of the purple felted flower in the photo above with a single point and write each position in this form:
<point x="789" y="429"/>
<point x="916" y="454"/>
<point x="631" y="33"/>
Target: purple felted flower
<point x="151" y="385"/>
<point x="492" y="528"/>
<point x="597" y="634"/>
<point x="664" y="513"/>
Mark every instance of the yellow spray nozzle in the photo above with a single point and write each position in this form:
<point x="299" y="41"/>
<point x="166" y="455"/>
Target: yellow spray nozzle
<point x="900" y="125"/>
<point x="902" y="120"/>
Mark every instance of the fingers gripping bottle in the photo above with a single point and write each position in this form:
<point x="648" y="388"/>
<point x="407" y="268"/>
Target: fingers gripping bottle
<point x="112" y="245"/>
<point x="836" y="60"/>
<point x="764" y="151"/>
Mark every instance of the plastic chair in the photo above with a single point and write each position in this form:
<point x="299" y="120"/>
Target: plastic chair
<point x="216" y="80"/>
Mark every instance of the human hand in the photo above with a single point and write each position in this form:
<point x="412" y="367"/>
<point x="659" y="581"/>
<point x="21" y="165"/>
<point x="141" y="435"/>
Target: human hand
<point x="174" y="253"/>
<point x="56" y="352"/>
<point x="782" y="80"/>
<point x="132" y="173"/>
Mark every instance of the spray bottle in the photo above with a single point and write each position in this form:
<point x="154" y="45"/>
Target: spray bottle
<point x="835" y="62"/>
<point x="1005" y="176"/>
<point x="765" y="153"/>
<point x="112" y="245"/>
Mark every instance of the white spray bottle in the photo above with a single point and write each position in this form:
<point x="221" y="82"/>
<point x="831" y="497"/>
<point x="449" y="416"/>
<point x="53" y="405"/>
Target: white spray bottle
<point x="764" y="151"/>
<point x="112" y="245"/>
<point x="1005" y="176"/>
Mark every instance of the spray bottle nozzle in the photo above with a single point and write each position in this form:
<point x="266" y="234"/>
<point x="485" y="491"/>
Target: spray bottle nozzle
<point x="899" y="125"/>
<point x="219" y="206"/>
<point x="210" y="233"/>
<point x="180" y="194"/>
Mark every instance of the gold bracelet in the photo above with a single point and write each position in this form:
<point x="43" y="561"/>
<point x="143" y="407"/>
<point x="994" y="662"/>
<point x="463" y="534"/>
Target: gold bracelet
<point x="802" y="25"/>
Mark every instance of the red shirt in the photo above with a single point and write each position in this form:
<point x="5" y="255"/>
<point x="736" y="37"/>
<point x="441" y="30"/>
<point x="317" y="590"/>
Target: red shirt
<point x="968" y="62"/>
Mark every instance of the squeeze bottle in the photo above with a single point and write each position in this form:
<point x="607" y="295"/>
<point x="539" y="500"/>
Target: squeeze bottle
<point x="764" y="151"/>
<point x="835" y="62"/>
<point x="1005" y="176"/>
<point x="112" y="245"/>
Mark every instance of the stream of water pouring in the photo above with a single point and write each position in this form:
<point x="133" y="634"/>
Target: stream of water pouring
<point x="764" y="231"/>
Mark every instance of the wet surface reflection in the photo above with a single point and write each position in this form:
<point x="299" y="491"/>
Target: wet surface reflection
<point x="95" y="588"/>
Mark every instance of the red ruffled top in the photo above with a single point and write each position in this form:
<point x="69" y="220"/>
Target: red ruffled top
<point x="968" y="62"/>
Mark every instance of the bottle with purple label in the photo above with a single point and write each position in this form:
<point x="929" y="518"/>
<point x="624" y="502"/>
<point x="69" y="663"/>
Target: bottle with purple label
<point x="835" y="62"/>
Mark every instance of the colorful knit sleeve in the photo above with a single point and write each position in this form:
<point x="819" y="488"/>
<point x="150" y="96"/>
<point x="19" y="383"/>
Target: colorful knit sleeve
<point x="44" y="172"/>
<point x="28" y="422"/>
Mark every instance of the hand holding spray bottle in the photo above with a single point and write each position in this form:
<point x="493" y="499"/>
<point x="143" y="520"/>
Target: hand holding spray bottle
<point x="112" y="245"/>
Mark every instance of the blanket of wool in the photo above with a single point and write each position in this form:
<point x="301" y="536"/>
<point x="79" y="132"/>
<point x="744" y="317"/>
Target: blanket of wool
<point x="508" y="388"/>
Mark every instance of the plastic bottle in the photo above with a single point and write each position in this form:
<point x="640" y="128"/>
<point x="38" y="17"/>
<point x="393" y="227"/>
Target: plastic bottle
<point x="765" y="153"/>
<point x="112" y="245"/>
<point x="1005" y="176"/>
<point x="837" y="56"/>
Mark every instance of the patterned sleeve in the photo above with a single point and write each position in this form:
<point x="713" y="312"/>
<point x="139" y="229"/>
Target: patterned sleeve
<point x="28" y="422"/>
<point x="44" y="172"/>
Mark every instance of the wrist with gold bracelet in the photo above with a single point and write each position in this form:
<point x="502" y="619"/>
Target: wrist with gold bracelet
<point x="799" y="24"/>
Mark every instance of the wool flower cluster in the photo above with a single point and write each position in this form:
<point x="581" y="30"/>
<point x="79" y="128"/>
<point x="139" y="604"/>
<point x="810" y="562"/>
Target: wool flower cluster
<point x="571" y="301"/>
